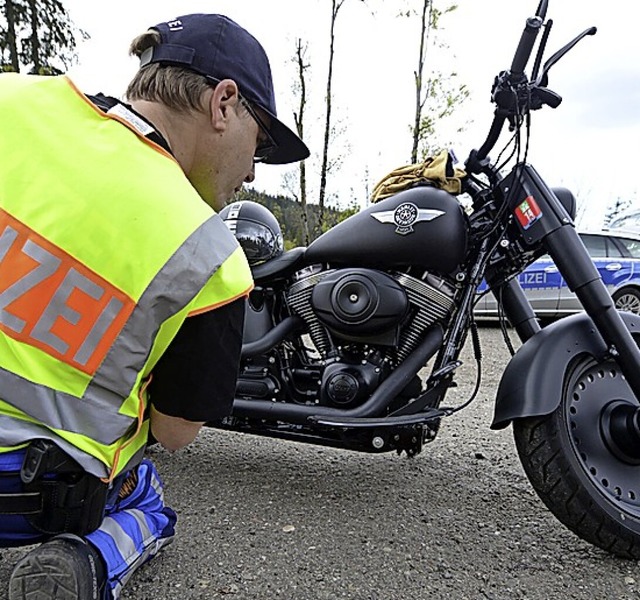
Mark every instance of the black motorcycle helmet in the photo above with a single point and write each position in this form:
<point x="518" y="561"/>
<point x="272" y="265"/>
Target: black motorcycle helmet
<point x="256" y="229"/>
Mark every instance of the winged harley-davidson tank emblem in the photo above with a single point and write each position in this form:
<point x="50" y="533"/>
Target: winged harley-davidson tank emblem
<point x="405" y="216"/>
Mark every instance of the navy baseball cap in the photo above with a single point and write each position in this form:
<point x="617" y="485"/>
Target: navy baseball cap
<point x="218" y="48"/>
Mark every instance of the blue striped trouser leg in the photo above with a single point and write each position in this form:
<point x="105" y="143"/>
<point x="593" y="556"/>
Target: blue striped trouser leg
<point x="134" y="529"/>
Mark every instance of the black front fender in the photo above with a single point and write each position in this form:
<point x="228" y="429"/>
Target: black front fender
<point x="531" y="385"/>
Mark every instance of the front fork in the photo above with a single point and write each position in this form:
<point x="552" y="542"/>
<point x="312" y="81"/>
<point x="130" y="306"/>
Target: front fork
<point x="575" y="265"/>
<point x="517" y="308"/>
<point x="541" y="218"/>
<point x="573" y="262"/>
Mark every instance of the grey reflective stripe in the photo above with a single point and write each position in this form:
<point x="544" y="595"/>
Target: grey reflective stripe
<point x="15" y="432"/>
<point x="124" y="545"/>
<point x="95" y="415"/>
<point x="126" y="548"/>
<point x="157" y="486"/>
<point x="139" y="517"/>
<point x="177" y="283"/>
<point x="58" y="410"/>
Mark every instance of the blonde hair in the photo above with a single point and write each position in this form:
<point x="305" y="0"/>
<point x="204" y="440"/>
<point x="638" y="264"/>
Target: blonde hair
<point x="177" y="88"/>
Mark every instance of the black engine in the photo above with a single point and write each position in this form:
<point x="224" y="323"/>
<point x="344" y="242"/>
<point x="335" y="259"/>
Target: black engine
<point x="360" y="324"/>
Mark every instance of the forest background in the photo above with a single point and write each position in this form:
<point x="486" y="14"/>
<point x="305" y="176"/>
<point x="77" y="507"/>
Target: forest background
<point x="374" y="85"/>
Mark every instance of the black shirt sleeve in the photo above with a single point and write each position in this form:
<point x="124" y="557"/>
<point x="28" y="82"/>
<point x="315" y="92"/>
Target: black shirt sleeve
<point x="195" y="378"/>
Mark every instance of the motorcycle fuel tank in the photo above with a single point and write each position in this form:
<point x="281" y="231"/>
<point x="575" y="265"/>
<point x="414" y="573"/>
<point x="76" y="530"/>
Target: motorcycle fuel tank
<point x="423" y="226"/>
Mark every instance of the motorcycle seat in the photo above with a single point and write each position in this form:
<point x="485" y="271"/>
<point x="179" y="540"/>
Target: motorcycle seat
<point x="280" y="267"/>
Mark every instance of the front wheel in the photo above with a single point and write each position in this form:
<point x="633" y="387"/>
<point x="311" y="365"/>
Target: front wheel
<point x="584" y="462"/>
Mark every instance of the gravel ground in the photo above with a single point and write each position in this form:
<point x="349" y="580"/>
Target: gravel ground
<point x="261" y="519"/>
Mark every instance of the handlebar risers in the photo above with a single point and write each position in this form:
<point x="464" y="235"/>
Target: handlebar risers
<point x="476" y="165"/>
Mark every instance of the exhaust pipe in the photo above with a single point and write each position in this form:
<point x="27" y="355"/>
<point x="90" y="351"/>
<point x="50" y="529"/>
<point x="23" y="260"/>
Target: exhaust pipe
<point x="373" y="407"/>
<point x="273" y="337"/>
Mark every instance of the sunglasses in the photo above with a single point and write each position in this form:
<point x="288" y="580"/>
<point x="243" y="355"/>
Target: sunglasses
<point x="267" y="145"/>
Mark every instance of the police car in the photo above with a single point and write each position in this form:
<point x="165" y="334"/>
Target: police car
<point x="616" y="254"/>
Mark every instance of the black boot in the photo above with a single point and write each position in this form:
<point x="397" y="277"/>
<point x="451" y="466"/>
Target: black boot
<point x="64" y="568"/>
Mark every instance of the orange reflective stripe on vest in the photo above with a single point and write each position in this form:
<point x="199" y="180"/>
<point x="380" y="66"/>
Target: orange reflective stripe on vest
<point x="51" y="301"/>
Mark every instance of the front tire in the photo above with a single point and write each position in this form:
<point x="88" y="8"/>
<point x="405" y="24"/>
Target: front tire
<point x="569" y="460"/>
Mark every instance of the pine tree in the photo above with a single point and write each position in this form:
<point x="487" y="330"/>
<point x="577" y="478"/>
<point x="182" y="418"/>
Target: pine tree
<point x="37" y="36"/>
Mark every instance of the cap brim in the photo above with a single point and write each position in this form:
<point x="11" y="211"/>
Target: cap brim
<point x="289" y="147"/>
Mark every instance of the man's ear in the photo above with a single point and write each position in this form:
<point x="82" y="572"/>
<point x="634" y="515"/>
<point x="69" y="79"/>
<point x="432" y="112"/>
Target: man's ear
<point x="224" y="98"/>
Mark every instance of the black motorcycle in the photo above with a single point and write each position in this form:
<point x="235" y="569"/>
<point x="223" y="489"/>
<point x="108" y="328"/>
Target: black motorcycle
<point x="336" y="333"/>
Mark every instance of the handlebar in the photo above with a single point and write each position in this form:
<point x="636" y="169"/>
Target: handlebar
<point x="513" y="94"/>
<point x="515" y="76"/>
<point x="477" y="161"/>
<point x="525" y="47"/>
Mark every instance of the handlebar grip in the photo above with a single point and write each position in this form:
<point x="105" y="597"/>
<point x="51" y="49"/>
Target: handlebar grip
<point x="527" y="40"/>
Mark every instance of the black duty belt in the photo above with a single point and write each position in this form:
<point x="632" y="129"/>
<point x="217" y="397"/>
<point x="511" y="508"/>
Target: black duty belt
<point x="22" y="503"/>
<point x="58" y="495"/>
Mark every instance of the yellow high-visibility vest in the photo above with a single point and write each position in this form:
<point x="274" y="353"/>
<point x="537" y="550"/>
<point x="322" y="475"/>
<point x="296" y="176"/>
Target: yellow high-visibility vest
<point x="105" y="249"/>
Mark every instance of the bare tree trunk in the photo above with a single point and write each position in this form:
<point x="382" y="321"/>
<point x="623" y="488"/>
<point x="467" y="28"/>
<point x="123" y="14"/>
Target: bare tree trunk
<point x="299" y="120"/>
<point x="436" y="95"/>
<point x="335" y="7"/>
<point x="425" y="29"/>
<point x="10" y="15"/>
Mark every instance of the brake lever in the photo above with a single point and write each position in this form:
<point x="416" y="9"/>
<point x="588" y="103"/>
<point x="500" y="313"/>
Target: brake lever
<point x="560" y="53"/>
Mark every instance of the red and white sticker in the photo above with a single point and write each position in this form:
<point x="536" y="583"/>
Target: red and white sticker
<point x="528" y="212"/>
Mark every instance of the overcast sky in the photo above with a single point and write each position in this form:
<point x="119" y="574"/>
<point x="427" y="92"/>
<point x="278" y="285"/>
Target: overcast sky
<point x="591" y="143"/>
